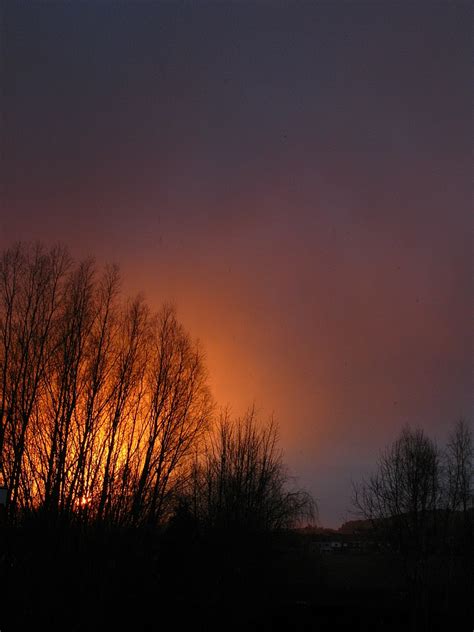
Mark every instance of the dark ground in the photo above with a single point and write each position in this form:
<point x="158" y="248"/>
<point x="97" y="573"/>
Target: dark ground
<point x="73" y="579"/>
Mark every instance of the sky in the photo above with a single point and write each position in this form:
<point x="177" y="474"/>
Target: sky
<point x="294" y="177"/>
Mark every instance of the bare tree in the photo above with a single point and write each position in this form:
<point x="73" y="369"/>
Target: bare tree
<point x="102" y="404"/>
<point x="177" y="411"/>
<point x="459" y="459"/>
<point x="30" y="300"/>
<point x="242" y="482"/>
<point x="123" y="403"/>
<point x="403" y="495"/>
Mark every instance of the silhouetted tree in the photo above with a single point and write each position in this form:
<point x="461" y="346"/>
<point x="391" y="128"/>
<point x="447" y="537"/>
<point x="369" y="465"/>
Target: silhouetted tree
<point x="242" y="483"/>
<point x="403" y="495"/>
<point x="459" y="484"/>
<point x="177" y="411"/>
<point x="102" y="403"/>
<point x="31" y="297"/>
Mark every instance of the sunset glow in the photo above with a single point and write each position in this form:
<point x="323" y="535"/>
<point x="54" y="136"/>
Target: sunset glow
<point x="236" y="300"/>
<point x="296" y="181"/>
<point x="84" y="501"/>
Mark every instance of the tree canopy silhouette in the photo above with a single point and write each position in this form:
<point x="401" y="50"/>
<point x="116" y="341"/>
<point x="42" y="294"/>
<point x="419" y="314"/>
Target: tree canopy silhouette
<point x="105" y="407"/>
<point x="417" y="490"/>
<point x="241" y="482"/>
<point x="102" y="401"/>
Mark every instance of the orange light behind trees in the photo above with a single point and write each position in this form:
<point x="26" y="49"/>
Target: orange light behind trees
<point x="101" y="401"/>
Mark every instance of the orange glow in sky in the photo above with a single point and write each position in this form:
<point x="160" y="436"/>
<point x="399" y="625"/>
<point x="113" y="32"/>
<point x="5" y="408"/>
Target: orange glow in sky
<point x="296" y="181"/>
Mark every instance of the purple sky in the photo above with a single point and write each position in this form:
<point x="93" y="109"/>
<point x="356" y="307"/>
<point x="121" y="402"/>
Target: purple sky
<point x="295" y="177"/>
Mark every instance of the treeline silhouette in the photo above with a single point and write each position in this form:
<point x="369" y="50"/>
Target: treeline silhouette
<point x="129" y="493"/>
<point x="419" y="502"/>
<point x="241" y="482"/>
<point x="420" y="499"/>
<point x="106" y="413"/>
<point x="133" y="499"/>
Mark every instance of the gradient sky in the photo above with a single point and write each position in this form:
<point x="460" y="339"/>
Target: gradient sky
<point x="295" y="177"/>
